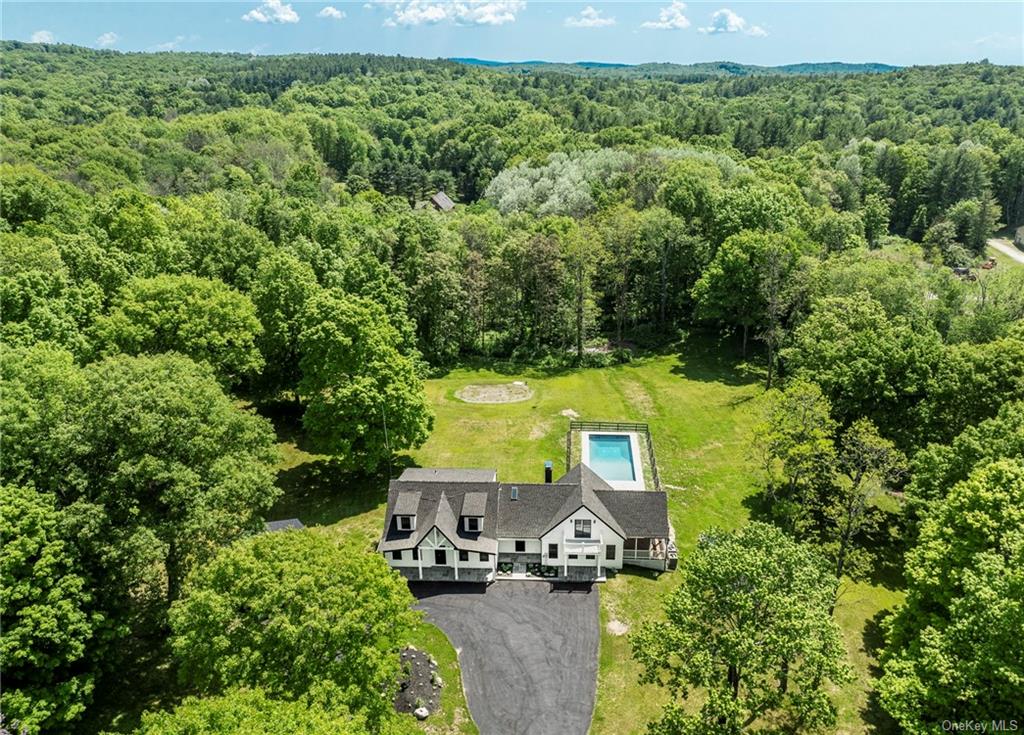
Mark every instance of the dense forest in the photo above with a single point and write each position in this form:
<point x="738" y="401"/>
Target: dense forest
<point x="186" y="235"/>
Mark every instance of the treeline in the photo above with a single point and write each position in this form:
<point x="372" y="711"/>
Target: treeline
<point x="180" y="232"/>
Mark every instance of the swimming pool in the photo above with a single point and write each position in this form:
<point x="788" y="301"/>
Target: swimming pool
<point x="611" y="456"/>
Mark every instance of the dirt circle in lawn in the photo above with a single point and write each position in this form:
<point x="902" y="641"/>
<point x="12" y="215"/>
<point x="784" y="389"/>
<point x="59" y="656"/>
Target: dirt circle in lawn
<point x="495" y="393"/>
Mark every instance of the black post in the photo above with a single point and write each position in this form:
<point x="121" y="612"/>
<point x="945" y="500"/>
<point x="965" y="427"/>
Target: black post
<point x="548" y="471"/>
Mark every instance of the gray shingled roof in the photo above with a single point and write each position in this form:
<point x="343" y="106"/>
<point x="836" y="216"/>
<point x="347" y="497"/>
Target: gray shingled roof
<point x="474" y="504"/>
<point x="448" y="474"/>
<point x="439" y="503"/>
<point x="538" y="508"/>
<point x="530" y="515"/>
<point x="641" y="514"/>
<point x="407" y="502"/>
<point x="582" y="475"/>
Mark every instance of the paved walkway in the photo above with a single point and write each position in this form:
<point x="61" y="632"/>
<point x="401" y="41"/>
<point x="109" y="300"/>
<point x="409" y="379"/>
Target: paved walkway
<point x="1006" y="248"/>
<point x="528" y="652"/>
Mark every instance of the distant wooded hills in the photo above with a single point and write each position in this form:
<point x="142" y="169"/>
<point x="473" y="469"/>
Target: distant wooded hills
<point x="703" y="69"/>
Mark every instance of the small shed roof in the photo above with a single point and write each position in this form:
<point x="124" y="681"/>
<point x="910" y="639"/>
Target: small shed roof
<point x="442" y="201"/>
<point x="283" y="525"/>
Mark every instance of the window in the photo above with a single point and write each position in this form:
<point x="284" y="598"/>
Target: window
<point x="591" y="557"/>
<point x="404" y="523"/>
<point x="552" y="551"/>
<point x="397" y="555"/>
<point x="463" y="555"/>
<point x="582" y="529"/>
<point x="440" y="557"/>
<point x="484" y="556"/>
<point x="415" y="554"/>
<point x="574" y="556"/>
<point x="472" y="524"/>
<point x="609" y="552"/>
<point x="520" y="546"/>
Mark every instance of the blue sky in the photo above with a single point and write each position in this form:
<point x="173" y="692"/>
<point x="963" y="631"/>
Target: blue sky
<point x="630" y="32"/>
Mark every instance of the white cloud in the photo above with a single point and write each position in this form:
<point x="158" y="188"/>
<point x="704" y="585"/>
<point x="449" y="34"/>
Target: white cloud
<point x="999" y="41"/>
<point x="272" y="11"/>
<point x="331" y="12"/>
<point x="460" y="12"/>
<point x="669" y="18"/>
<point x="107" y="39"/>
<point x="170" y="45"/>
<point x="589" y="18"/>
<point x="43" y="37"/>
<point x="726" y="21"/>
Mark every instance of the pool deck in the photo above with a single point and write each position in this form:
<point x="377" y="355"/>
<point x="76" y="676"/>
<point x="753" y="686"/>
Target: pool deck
<point x="637" y="483"/>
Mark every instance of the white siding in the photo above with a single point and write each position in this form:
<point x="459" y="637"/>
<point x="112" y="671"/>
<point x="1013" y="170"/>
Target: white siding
<point x="598" y="530"/>
<point x="508" y="546"/>
<point x="436" y="540"/>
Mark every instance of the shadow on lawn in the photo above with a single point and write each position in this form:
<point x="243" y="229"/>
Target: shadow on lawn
<point x="878" y="720"/>
<point x="710" y="360"/>
<point x="321" y="492"/>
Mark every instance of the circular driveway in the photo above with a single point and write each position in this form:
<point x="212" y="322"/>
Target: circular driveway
<point x="527" y="650"/>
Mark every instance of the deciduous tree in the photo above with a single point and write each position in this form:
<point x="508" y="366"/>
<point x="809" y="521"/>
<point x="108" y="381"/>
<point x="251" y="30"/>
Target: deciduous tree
<point x="748" y="634"/>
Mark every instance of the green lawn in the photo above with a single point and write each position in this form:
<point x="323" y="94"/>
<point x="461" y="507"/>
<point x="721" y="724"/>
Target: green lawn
<point x="701" y="408"/>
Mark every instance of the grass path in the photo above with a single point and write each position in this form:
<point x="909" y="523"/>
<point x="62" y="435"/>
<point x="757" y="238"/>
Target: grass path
<point x="701" y="409"/>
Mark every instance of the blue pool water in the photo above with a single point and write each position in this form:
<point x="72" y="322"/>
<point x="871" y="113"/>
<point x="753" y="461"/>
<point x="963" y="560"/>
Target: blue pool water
<point x="611" y="456"/>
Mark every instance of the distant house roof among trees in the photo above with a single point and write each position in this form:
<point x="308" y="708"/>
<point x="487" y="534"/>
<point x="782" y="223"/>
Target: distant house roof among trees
<point x="442" y="201"/>
<point x="284" y="525"/>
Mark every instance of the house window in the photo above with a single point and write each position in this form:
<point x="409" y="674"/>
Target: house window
<point x="463" y="555"/>
<point x="552" y="551"/>
<point x="484" y="556"/>
<point x="574" y="556"/>
<point x="415" y="554"/>
<point x="591" y="557"/>
<point x="472" y="524"/>
<point x="440" y="557"/>
<point x="404" y="523"/>
<point x="609" y="552"/>
<point x="520" y="547"/>
<point x="397" y="555"/>
<point x="582" y="528"/>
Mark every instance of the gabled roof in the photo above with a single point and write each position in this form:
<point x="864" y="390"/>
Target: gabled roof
<point x="583" y="497"/>
<point x="585" y="477"/>
<point x="538" y="507"/>
<point x="437" y="505"/>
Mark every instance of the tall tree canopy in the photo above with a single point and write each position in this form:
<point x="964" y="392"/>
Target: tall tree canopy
<point x="46" y="615"/>
<point x="286" y="611"/>
<point x="199" y="317"/>
<point x="749" y="634"/>
<point x="364" y="399"/>
<point x="955" y="650"/>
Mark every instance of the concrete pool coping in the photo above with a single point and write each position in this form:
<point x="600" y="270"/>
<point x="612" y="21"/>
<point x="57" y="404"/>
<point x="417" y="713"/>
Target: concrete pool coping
<point x="637" y="483"/>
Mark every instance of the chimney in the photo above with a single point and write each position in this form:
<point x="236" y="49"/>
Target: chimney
<point x="548" y="464"/>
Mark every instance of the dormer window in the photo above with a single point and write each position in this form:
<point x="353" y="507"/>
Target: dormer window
<point x="472" y="524"/>
<point x="406" y="523"/>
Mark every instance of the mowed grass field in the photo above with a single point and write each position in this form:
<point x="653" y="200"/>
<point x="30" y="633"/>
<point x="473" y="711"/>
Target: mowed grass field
<point x="701" y="407"/>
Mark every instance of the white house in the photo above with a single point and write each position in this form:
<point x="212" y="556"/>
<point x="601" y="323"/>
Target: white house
<point x="464" y="525"/>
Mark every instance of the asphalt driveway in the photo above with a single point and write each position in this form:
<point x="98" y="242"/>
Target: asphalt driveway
<point x="528" y="652"/>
